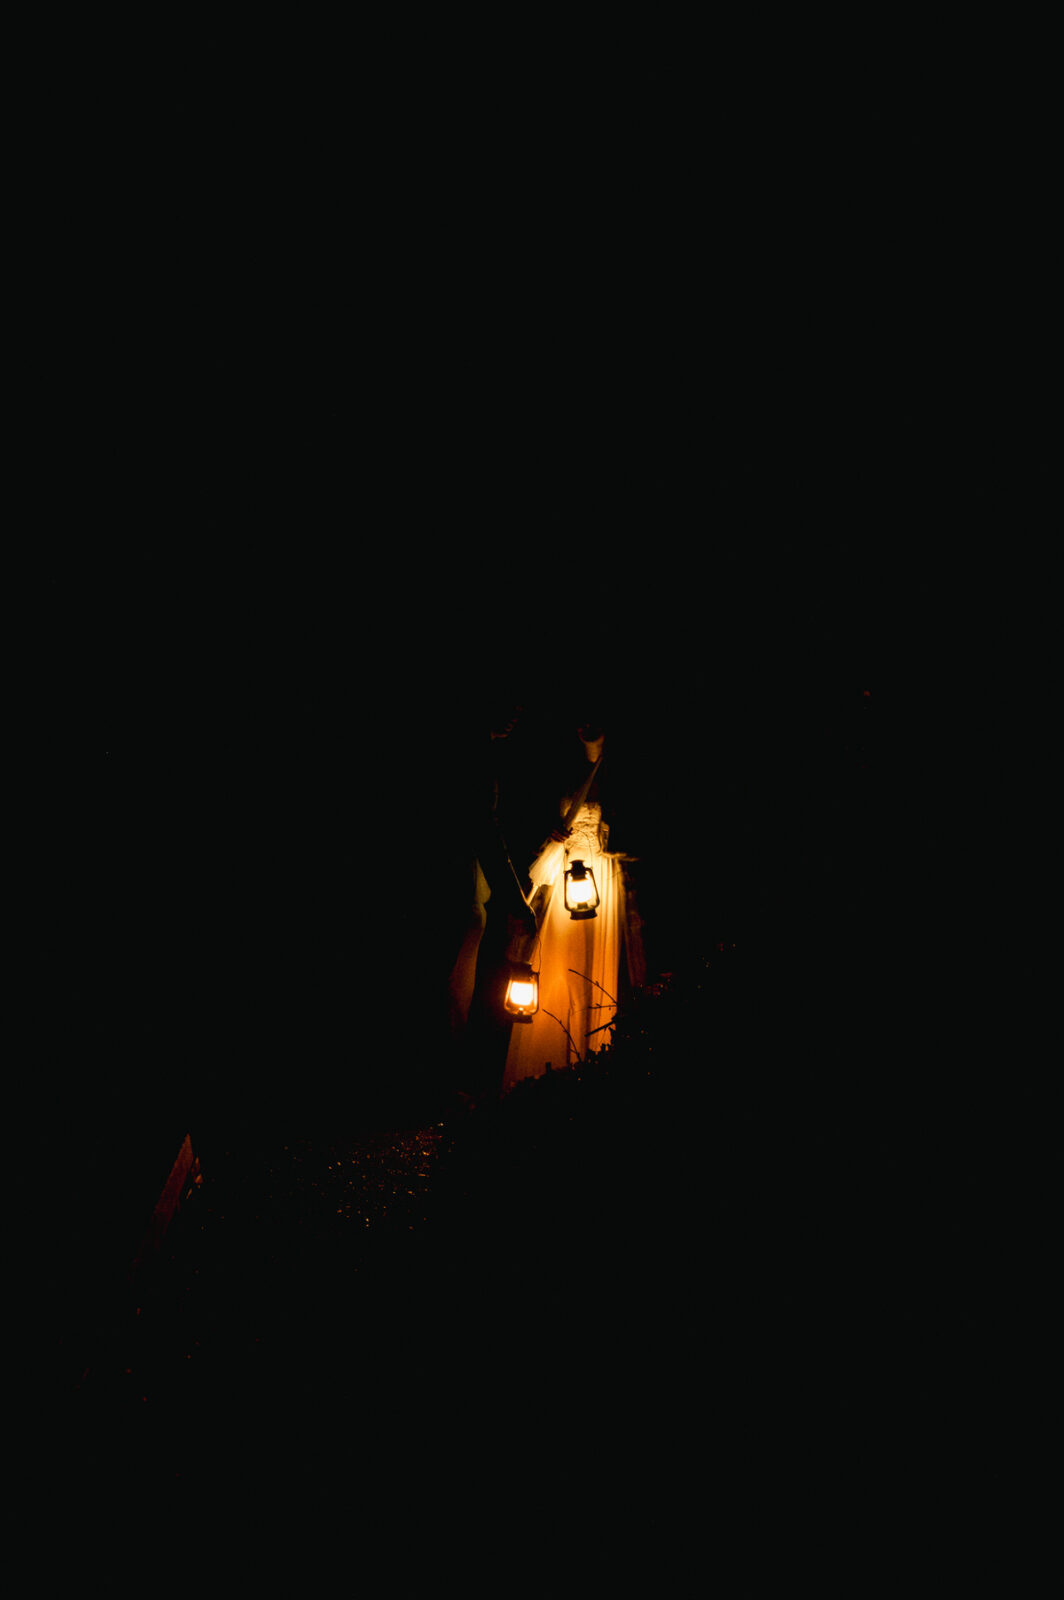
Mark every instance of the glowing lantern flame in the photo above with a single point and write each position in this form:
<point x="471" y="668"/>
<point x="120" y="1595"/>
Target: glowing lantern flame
<point x="522" y="992"/>
<point x="581" y="891"/>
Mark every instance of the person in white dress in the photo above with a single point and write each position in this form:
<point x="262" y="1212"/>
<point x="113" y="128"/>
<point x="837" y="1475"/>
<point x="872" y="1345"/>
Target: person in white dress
<point x="577" y="959"/>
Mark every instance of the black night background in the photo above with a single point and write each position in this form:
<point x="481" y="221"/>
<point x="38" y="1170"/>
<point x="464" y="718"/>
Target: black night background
<point x="362" y="449"/>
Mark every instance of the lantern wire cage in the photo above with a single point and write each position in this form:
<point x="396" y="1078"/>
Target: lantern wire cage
<point x="533" y="972"/>
<point x="580" y="909"/>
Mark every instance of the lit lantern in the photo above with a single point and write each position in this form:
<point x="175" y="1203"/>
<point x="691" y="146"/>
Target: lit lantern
<point x="581" y="892"/>
<point x="522" y="992"/>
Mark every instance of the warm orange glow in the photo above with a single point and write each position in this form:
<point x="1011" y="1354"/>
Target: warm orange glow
<point x="522" y="993"/>
<point x="581" y="891"/>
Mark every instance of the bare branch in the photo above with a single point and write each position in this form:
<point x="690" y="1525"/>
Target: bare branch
<point x="598" y="985"/>
<point x="565" y="1030"/>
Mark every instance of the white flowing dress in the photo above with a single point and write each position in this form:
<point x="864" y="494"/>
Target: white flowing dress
<point x="578" y="962"/>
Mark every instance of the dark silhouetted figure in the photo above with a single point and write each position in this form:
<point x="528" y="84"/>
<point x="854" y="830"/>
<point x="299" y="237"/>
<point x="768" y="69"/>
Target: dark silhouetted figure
<point x="487" y="909"/>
